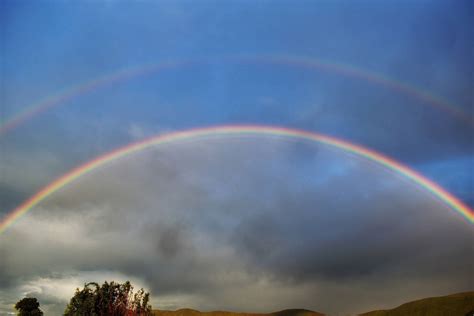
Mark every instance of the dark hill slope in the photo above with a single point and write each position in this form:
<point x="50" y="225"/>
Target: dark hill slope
<point x="191" y="312"/>
<point x="461" y="304"/>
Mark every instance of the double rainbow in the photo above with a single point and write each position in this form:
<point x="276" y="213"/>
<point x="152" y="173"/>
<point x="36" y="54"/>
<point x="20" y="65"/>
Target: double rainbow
<point x="238" y="130"/>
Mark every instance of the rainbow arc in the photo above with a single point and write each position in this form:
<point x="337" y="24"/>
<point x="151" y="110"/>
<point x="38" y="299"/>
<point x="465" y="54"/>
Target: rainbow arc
<point x="239" y="130"/>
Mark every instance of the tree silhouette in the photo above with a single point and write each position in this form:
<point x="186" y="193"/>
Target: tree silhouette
<point x="112" y="299"/>
<point x="28" y="306"/>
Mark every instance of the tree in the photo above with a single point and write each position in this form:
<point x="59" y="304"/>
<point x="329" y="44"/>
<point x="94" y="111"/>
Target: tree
<point x="28" y="306"/>
<point x="112" y="299"/>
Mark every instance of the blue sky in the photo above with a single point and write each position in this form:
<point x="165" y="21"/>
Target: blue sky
<point x="50" y="46"/>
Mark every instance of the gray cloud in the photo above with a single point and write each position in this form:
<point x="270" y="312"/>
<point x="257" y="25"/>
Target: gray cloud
<point x="272" y="222"/>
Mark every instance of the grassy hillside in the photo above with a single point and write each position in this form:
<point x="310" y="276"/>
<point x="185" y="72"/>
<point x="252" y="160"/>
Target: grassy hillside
<point x="461" y="304"/>
<point x="191" y="312"/>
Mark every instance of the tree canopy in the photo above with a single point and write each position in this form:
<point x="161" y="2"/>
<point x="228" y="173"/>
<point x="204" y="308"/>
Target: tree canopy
<point x="28" y="306"/>
<point x="112" y="299"/>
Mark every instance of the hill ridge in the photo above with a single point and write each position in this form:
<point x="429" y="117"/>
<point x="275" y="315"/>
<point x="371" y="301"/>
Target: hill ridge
<point x="191" y="312"/>
<point x="458" y="304"/>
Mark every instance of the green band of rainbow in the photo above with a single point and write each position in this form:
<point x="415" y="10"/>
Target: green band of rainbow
<point x="237" y="130"/>
<point x="303" y="62"/>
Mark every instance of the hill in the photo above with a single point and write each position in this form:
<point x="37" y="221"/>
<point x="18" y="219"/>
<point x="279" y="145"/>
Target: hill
<point x="191" y="312"/>
<point x="461" y="304"/>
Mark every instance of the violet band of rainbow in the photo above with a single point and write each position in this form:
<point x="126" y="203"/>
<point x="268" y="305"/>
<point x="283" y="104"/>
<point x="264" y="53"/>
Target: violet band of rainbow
<point x="235" y="130"/>
<point x="124" y="74"/>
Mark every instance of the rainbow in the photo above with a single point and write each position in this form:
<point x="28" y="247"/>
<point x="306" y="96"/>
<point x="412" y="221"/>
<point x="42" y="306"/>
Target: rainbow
<point x="373" y="77"/>
<point x="81" y="89"/>
<point x="238" y="130"/>
<point x="307" y="63"/>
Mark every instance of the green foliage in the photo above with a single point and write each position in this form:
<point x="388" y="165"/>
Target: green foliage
<point x="112" y="299"/>
<point x="28" y="306"/>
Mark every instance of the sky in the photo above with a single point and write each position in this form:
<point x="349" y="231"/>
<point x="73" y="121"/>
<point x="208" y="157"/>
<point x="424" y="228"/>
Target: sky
<point x="249" y="222"/>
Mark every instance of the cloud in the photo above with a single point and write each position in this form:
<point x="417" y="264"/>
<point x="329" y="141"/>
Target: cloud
<point x="242" y="223"/>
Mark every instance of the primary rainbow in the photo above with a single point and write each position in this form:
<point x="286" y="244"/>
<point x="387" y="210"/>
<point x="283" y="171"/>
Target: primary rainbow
<point x="304" y="62"/>
<point x="239" y="130"/>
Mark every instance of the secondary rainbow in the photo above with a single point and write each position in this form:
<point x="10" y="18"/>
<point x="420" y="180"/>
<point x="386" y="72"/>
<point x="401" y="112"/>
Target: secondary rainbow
<point x="304" y="62"/>
<point x="239" y="130"/>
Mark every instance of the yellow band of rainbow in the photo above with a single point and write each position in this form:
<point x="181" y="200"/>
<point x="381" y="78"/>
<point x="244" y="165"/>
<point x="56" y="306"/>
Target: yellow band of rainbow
<point x="236" y="130"/>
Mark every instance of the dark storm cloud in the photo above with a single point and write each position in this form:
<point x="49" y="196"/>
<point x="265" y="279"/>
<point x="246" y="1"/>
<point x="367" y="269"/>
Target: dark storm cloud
<point x="299" y="245"/>
<point x="10" y="197"/>
<point x="171" y="240"/>
<point x="204" y="218"/>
